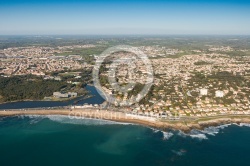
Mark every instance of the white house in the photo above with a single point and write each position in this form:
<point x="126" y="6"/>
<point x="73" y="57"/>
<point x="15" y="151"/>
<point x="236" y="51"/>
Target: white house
<point x="203" y="92"/>
<point x="219" y="93"/>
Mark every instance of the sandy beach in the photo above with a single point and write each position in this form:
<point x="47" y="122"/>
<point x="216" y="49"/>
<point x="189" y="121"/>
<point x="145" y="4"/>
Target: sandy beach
<point x="165" y="125"/>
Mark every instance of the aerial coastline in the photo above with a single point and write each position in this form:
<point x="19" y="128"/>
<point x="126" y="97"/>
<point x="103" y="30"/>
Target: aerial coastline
<point x="193" y="86"/>
<point x="157" y="123"/>
<point x="122" y="82"/>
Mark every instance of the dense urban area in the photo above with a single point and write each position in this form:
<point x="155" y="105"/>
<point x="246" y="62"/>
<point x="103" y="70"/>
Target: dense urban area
<point x="193" y="76"/>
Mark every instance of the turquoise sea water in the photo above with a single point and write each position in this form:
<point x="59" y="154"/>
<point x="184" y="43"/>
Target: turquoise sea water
<point x="57" y="140"/>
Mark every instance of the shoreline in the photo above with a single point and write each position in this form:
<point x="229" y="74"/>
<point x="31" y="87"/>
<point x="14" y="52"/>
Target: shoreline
<point x="182" y="125"/>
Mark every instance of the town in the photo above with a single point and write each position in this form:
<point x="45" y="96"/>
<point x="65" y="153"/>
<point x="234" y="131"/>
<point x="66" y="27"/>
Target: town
<point x="200" y="83"/>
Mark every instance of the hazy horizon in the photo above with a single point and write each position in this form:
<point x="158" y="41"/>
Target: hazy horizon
<point x="112" y="17"/>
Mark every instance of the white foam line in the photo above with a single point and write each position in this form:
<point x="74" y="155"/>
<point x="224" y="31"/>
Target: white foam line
<point x="81" y="121"/>
<point x="244" y="124"/>
<point x="195" y="134"/>
<point x="167" y="135"/>
<point x="198" y="136"/>
<point x="154" y="130"/>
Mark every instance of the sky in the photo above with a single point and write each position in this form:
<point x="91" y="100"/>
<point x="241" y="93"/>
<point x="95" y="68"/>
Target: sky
<point x="108" y="17"/>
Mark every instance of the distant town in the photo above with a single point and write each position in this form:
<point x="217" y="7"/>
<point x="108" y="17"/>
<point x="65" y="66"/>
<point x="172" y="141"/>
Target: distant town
<point x="193" y="82"/>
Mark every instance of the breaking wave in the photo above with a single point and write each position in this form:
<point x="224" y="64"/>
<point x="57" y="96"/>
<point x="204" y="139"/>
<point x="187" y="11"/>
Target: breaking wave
<point x="214" y="130"/>
<point x="203" y="134"/>
<point x="195" y="134"/>
<point x="167" y="135"/>
<point x="154" y="130"/>
<point x="198" y="134"/>
<point x="209" y="131"/>
<point x="84" y="121"/>
<point x="66" y="120"/>
<point x="244" y="124"/>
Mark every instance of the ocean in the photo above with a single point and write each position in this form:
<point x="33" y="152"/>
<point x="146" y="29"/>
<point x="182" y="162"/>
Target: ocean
<point x="58" y="140"/>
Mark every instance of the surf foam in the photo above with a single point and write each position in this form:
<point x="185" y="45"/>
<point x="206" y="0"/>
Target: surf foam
<point x="67" y="120"/>
<point x="167" y="135"/>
